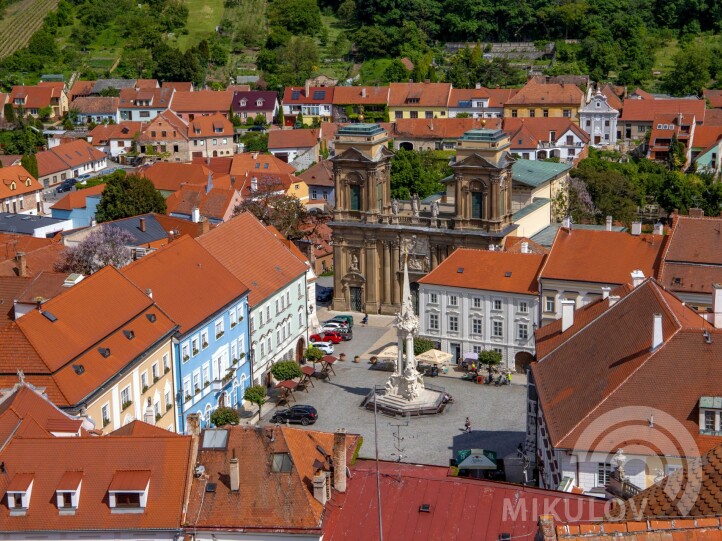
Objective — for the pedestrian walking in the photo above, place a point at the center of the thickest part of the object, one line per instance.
(467, 425)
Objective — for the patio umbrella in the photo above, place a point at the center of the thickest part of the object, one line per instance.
(388, 353)
(476, 459)
(471, 356)
(435, 357)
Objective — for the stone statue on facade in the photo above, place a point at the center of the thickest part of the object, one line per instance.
(354, 263)
(395, 207)
(434, 209)
(415, 205)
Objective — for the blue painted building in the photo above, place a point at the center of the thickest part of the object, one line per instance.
(78, 206)
(210, 351)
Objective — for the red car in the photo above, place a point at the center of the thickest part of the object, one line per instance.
(327, 337)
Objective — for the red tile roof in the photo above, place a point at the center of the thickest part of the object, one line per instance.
(38, 260)
(15, 180)
(67, 156)
(613, 98)
(440, 128)
(209, 126)
(136, 98)
(486, 270)
(513, 245)
(35, 97)
(645, 110)
(178, 87)
(215, 204)
(80, 88)
(50, 460)
(252, 253)
(497, 96)
(267, 501)
(705, 136)
(304, 138)
(320, 174)
(146, 83)
(170, 176)
(360, 95)
(624, 371)
(169, 122)
(459, 508)
(102, 134)
(692, 261)
(249, 163)
(202, 101)
(185, 266)
(714, 97)
(547, 94)
(317, 95)
(687, 529)
(95, 105)
(419, 94)
(529, 132)
(76, 199)
(129, 480)
(605, 257)
(11, 244)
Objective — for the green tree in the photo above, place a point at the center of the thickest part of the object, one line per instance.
(256, 394)
(414, 172)
(45, 113)
(690, 72)
(677, 156)
(422, 345)
(30, 163)
(396, 72)
(297, 60)
(224, 416)
(347, 13)
(284, 370)
(9, 113)
(126, 196)
(300, 17)
(313, 354)
(490, 359)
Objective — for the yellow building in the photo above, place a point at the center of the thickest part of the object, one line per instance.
(101, 348)
(419, 100)
(540, 100)
(298, 188)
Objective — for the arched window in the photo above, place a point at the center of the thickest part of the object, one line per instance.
(477, 205)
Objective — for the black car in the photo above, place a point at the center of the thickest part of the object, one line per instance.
(66, 186)
(306, 415)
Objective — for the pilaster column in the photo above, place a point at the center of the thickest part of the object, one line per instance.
(339, 300)
(387, 272)
(395, 293)
(371, 266)
(434, 256)
(458, 196)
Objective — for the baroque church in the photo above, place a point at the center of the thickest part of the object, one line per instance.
(369, 227)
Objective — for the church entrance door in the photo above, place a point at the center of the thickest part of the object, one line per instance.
(356, 299)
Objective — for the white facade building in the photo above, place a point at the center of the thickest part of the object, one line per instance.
(599, 120)
(478, 300)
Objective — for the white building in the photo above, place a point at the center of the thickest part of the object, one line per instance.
(599, 120)
(479, 300)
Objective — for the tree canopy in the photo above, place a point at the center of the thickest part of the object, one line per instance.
(128, 195)
(285, 370)
(224, 416)
(106, 245)
(420, 173)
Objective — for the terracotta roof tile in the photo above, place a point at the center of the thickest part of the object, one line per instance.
(95, 105)
(714, 97)
(11, 244)
(165, 121)
(486, 270)
(170, 176)
(35, 97)
(440, 128)
(252, 253)
(606, 257)
(612, 98)
(497, 96)
(547, 94)
(104, 133)
(419, 94)
(76, 199)
(209, 126)
(15, 180)
(645, 110)
(38, 260)
(216, 204)
(136, 98)
(202, 101)
(80, 88)
(66, 156)
(304, 138)
(529, 132)
(185, 266)
(513, 245)
(253, 162)
(706, 136)
(178, 87)
(146, 83)
(360, 95)
(320, 174)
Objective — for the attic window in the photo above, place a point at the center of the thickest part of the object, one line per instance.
(151, 317)
(19, 491)
(281, 463)
(211, 487)
(128, 491)
(28, 182)
(105, 352)
(67, 493)
(13, 186)
(129, 334)
(677, 281)
(460, 270)
(214, 439)
(295, 94)
(50, 317)
(425, 508)
(319, 94)
(507, 274)
(79, 368)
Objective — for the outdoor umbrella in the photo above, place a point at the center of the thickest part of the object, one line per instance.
(476, 459)
(434, 356)
(388, 353)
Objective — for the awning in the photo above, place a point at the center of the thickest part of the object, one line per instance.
(471, 356)
(476, 459)
(388, 353)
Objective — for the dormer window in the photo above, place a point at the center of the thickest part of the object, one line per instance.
(128, 491)
(28, 182)
(243, 102)
(710, 411)
(13, 186)
(259, 102)
(68, 492)
(18, 492)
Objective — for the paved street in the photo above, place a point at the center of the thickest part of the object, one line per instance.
(497, 413)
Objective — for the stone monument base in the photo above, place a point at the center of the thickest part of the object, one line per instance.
(429, 402)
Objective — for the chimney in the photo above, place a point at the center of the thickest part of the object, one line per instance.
(659, 228)
(142, 224)
(525, 247)
(567, 314)
(339, 459)
(308, 87)
(637, 278)
(636, 228)
(363, 92)
(22, 262)
(696, 213)
(605, 292)
(196, 215)
(149, 292)
(613, 300)
(319, 487)
(205, 225)
(235, 475)
(657, 336)
(609, 223)
(477, 86)
(254, 155)
(567, 222)
(149, 415)
(717, 305)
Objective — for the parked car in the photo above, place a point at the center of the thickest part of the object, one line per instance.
(344, 318)
(65, 186)
(332, 337)
(330, 324)
(81, 179)
(306, 415)
(326, 347)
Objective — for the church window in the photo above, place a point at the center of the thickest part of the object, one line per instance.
(355, 192)
(477, 202)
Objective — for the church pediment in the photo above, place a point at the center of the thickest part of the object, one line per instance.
(351, 154)
(476, 160)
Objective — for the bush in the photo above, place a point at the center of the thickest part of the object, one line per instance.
(285, 370)
(313, 354)
(224, 416)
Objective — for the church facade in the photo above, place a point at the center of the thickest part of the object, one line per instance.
(369, 227)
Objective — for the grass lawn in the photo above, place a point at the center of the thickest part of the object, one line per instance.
(664, 57)
(203, 17)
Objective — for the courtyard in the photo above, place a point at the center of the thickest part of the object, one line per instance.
(497, 413)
